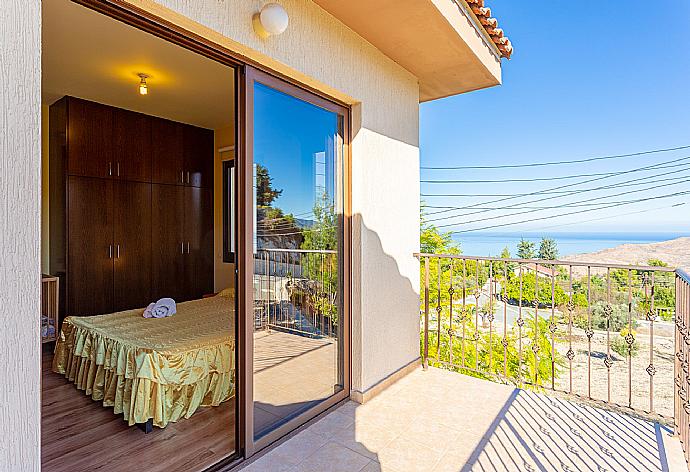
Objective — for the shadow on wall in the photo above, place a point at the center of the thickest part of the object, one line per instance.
(385, 302)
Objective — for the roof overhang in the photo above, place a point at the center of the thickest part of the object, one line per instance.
(439, 41)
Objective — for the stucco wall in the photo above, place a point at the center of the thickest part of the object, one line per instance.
(319, 50)
(20, 225)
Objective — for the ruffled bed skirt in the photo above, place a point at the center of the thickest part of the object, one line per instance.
(142, 383)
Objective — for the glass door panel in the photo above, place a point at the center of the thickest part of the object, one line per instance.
(298, 354)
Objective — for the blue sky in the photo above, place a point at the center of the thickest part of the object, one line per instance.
(587, 79)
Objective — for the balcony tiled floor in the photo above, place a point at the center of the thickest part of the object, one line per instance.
(443, 421)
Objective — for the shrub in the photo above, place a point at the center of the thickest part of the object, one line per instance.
(620, 346)
(617, 321)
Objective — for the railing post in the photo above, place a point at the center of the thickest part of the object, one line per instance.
(426, 313)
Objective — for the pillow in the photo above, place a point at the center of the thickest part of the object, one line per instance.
(227, 292)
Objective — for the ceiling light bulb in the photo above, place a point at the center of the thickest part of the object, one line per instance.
(143, 88)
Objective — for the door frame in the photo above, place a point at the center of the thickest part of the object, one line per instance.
(251, 76)
(247, 70)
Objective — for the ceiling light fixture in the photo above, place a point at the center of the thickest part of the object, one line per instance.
(143, 88)
(271, 20)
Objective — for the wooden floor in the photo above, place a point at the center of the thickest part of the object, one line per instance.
(291, 373)
(79, 434)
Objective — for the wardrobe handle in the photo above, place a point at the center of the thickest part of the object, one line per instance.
(110, 251)
(118, 251)
(187, 247)
(182, 179)
(182, 247)
(187, 176)
(118, 169)
(110, 168)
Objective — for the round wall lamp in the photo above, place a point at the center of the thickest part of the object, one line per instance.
(272, 20)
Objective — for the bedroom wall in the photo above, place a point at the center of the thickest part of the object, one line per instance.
(323, 53)
(224, 272)
(20, 226)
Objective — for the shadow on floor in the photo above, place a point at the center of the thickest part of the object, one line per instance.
(537, 432)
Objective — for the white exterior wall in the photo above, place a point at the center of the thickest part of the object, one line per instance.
(20, 231)
(319, 50)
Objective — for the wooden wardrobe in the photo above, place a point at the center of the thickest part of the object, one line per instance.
(131, 207)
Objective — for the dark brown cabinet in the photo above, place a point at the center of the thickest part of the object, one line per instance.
(90, 286)
(198, 228)
(167, 152)
(89, 137)
(132, 245)
(167, 237)
(133, 225)
(132, 146)
(198, 142)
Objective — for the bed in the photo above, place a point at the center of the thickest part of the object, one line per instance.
(153, 371)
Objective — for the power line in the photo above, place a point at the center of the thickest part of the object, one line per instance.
(488, 218)
(561, 215)
(538, 192)
(500, 181)
(609, 217)
(626, 183)
(660, 165)
(553, 207)
(553, 163)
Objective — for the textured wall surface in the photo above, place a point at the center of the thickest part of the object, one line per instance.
(322, 52)
(20, 218)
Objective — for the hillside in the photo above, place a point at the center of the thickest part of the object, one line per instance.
(675, 253)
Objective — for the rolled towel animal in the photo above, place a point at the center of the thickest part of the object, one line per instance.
(148, 312)
(164, 307)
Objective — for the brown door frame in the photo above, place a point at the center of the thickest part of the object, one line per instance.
(247, 69)
(252, 76)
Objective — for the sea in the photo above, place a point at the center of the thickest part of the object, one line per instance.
(492, 244)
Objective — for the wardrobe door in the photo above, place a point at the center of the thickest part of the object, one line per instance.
(132, 239)
(198, 224)
(167, 236)
(198, 156)
(89, 139)
(132, 146)
(90, 249)
(167, 153)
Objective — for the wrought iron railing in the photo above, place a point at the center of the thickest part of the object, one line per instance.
(682, 358)
(586, 329)
(296, 291)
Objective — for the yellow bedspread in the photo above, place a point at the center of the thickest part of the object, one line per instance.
(162, 369)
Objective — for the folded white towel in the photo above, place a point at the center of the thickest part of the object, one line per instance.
(147, 311)
(164, 307)
(160, 309)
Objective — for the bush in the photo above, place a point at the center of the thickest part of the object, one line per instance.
(620, 346)
(617, 322)
(528, 282)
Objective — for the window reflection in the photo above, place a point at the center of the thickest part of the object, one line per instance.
(298, 235)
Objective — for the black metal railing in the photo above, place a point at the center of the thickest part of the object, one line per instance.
(587, 329)
(682, 358)
(296, 291)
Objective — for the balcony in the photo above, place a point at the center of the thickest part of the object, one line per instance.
(524, 370)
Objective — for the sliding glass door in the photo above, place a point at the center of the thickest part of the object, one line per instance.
(299, 321)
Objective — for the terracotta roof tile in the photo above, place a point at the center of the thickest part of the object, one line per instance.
(490, 24)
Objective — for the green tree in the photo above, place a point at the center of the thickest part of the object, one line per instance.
(432, 241)
(265, 192)
(548, 249)
(322, 268)
(525, 249)
(528, 288)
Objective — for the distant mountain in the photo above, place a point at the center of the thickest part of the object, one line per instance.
(675, 253)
